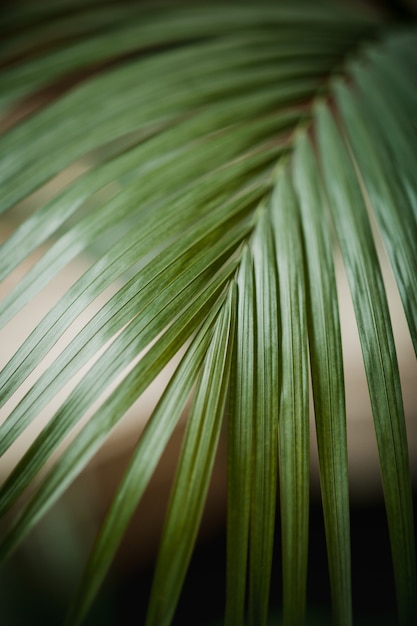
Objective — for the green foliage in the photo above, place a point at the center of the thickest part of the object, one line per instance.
(238, 145)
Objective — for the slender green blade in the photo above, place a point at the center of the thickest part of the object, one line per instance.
(293, 433)
(152, 443)
(240, 442)
(386, 193)
(265, 451)
(194, 470)
(400, 141)
(327, 376)
(372, 316)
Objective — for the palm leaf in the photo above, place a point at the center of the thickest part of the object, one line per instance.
(293, 410)
(224, 152)
(265, 436)
(327, 375)
(240, 433)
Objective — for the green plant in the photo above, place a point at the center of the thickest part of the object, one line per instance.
(243, 143)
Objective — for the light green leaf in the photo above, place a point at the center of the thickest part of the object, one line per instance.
(194, 470)
(141, 467)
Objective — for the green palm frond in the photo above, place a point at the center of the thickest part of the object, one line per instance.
(225, 151)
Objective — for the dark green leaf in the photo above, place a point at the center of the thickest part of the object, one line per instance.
(372, 315)
(265, 428)
(240, 442)
(194, 470)
(386, 193)
(327, 376)
(144, 461)
(293, 433)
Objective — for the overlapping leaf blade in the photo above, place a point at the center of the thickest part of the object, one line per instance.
(194, 470)
(388, 194)
(325, 348)
(240, 444)
(372, 315)
(155, 100)
(265, 428)
(176, 25)
(143, 326)
(293, 431)
(144, 461)
(138, 228)
(112, 264)
(173, 154)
